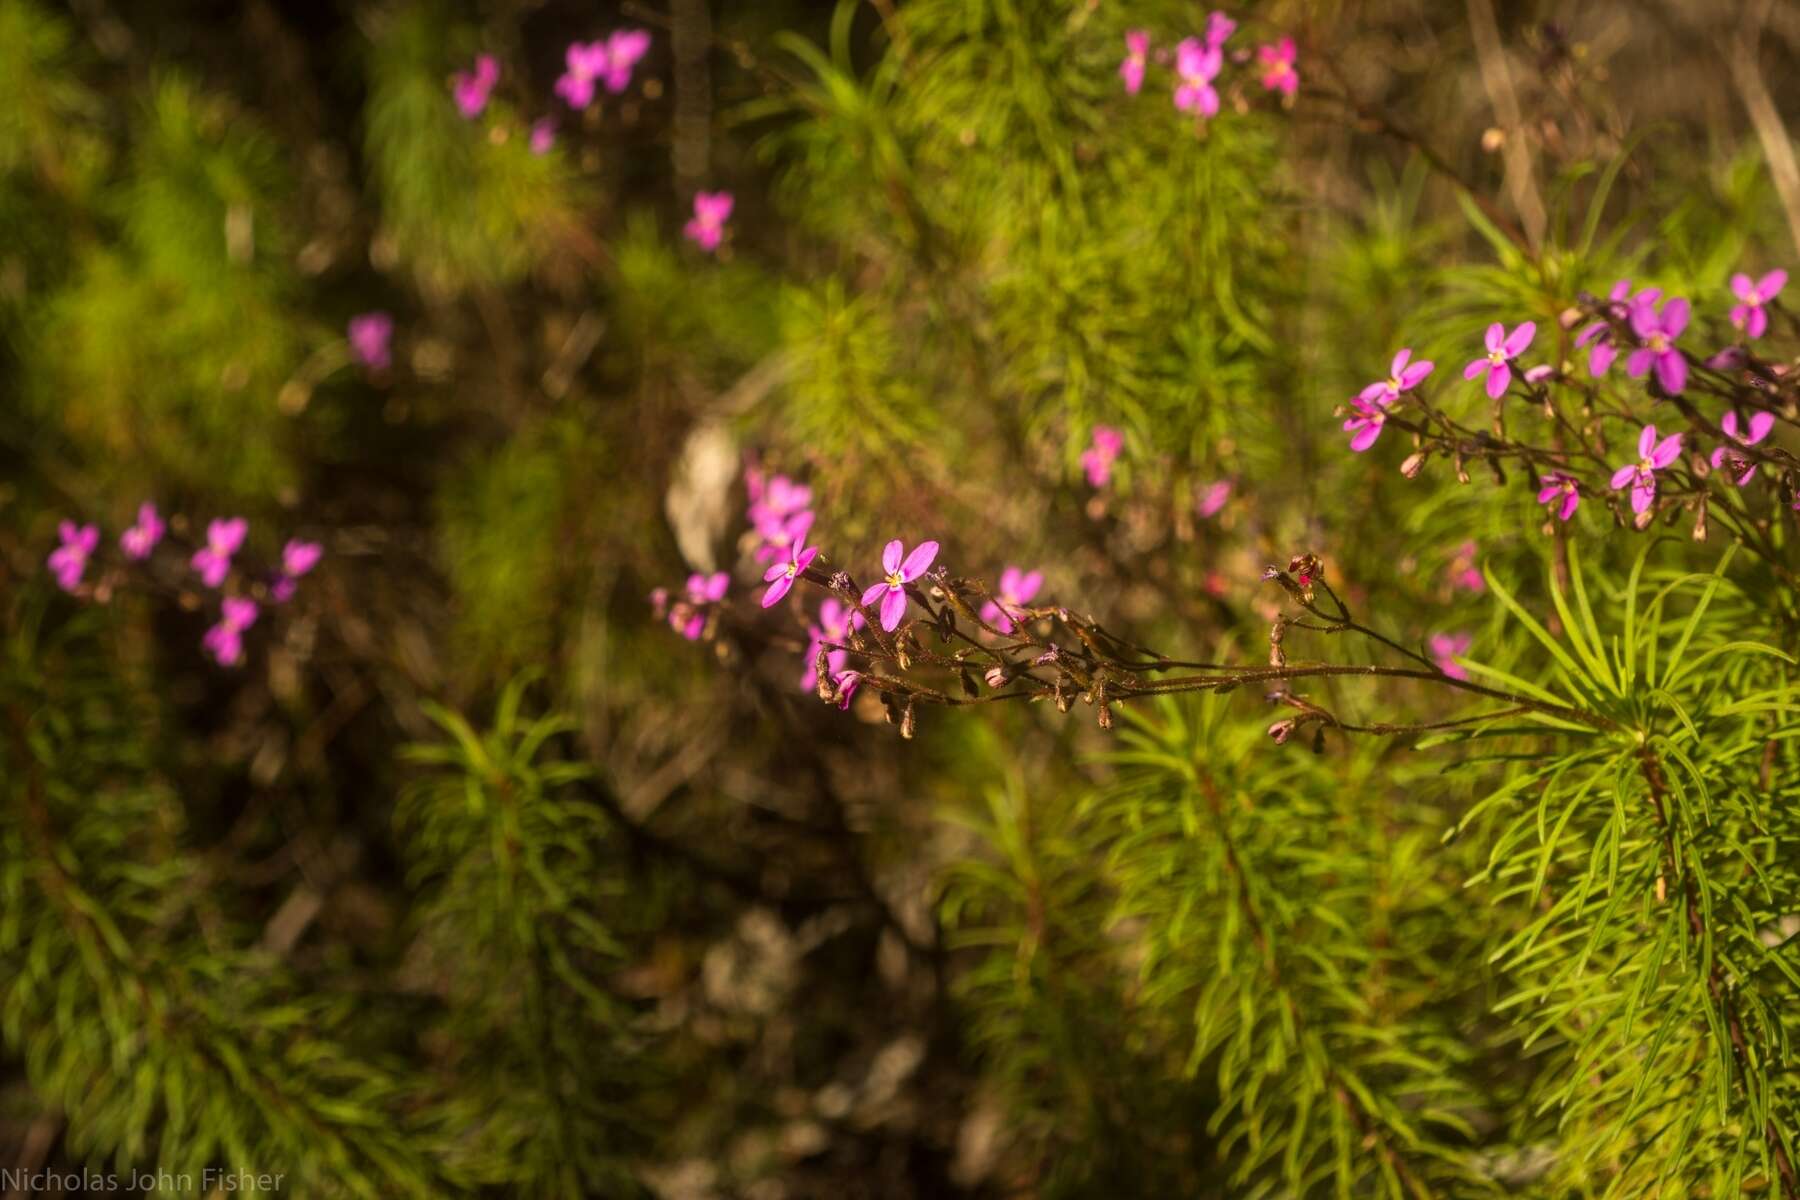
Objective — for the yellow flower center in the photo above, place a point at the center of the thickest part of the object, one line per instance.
(1658, 342)
(894, 580)
(1496, 356)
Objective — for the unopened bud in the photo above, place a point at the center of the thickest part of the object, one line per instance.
(827, 689)
(906, 720)
(1700, 522)
(1414, 464)
(1282, 730)
(996, 677)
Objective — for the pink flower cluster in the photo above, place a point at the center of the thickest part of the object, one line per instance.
(1198, 61)
(471, 89)
(687, 614)
(608, 62)
(706, 229)
(1097, 460)
(212, 561)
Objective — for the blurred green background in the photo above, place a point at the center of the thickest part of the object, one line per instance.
(475, 879)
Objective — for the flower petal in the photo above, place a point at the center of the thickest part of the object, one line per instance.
(891, 556)
(873, 592)
(1760, 425)
(1672, 371)
(1520, 339)
(1496, 336)
(1623, 476)
(1415, 375)
(893, 607)
(1667, 451)
(918, 561)
(1499, 379)
(778, 589)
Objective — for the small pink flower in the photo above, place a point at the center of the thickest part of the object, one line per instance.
(1016, 590)
(213, 560)
(781, 534)
(835, 622)
(369, 334)
(1561, 492)
(138, 541)
(1403, 376)
(1137, 52)
(1502, 348)
(623, 49)
(1212, 498)
(847, 684)
(297, 558)
(225, 641)
(543, 135)
(1742, 469)
(707, 228)
(1640, 476)
(1368, 417)
(900, 569)
(1446, 648)
(1278, 74)
(1219, 27)
(781, 576)
(1658, 332)
(1197, 65)
(584, 61)
(688, 618)
(1600, 333)
(1097, 459)
(471, 88)
(1748, 314)
(69, 560)
(1463, 572)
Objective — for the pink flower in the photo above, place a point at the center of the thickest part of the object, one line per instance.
(1016, 590)
(1197, 65)
(1213, 497)
(1599, 333)
(471, 88)
(1658, 332)
(1137, 52)
(543, 135)
(369, 334)
(1463, 572)
(138, 541)
(891, 591)
(69, 560)
(1369, 416)
(1218, 28)
(213, 560)
(1403, 376)
(1097, 459)
(1278, 74)
(688, 618)
(835, 622)
(1742, 469)
(621, 52)
(297, 558)
(584, 62)
(781, 576)
(847, 684)
(1640, 476)
(225, 641)
(1561, 492)
(707, 228)
(1502, 348)
(1748, 315)
(1446, 648)
(781, 534)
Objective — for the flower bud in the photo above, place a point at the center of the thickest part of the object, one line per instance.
(906, 720)
(1282, 730)
(1413, 464)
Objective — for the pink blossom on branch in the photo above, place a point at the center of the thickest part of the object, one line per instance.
(471, 88)
(1446, 648)
(1658, 331)
(1196, 66)
(1017, 588)
(138, 541)
(225, 641)
(1137, 53)
(369, 334)
(706, 229)
(836, 620)
(688, 618)
(1219, 28)
(213, 560)
(1098, 458)
(1748, 314)
(1213, 497)
(1742, 469)
(1640, 477)
(1502, 348)
(781, 576)
(297, 558)
(1366, 420)
(900, 569)
(1403, 376)
(1278, 74)
(69, 560)
(1561, 491)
